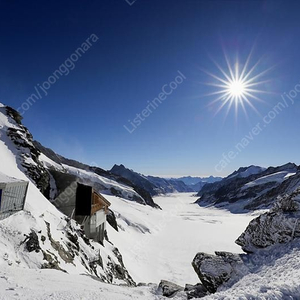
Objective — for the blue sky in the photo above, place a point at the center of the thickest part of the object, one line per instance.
(140, 49)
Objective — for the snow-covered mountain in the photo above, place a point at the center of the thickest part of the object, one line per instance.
(43, 166)
(270, 269)
(40, 236)
(251, 187)
(59, 168)
(45, 255)
(158, 186)
(196, 183)
(153, 185)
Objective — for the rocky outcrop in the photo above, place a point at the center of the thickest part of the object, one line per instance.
(49, 240)
(169, 289)
(28, 154)
(279, 225)
(215, 270)
(32, 242)
(111, 219)
(195, 291)
(118, 270)
(268, 232)
(286, 187)
(146, 196)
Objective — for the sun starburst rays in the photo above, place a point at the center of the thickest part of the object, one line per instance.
(238, 86)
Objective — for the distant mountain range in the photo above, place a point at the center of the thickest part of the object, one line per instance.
(156, 185)
(42, 237)
(189, 180)
(52, 173)
(248, 188)
(196, 183)
(251, 188)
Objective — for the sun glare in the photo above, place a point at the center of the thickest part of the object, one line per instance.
(238, 85)
(236, 89)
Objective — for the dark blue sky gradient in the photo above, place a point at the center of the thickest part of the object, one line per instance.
(140, 48)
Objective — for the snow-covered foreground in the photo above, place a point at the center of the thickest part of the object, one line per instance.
(161, 244)
(33, 284)
(276, 277)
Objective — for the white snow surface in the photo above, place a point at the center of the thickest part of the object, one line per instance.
(37, 211)
(249, 171)
(155, 244)
(276, 177)
(5, 179)
(26, 284)
(90, 177)
(276, 277)
(161, 244)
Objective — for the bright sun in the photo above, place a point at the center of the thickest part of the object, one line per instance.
(236, 89)
(238, 85)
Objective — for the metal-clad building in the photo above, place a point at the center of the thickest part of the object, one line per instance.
(12, 195)
(83, 204)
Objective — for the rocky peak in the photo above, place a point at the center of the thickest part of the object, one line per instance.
(27, 154)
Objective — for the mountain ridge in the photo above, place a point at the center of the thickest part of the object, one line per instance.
(243, 190)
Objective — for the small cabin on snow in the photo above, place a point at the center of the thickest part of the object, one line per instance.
(83, 204)
(12, 195)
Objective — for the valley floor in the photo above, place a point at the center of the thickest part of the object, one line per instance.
(161, 244)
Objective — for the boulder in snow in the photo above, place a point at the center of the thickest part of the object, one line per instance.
(215, 270)
(169, 289)
(195, 291)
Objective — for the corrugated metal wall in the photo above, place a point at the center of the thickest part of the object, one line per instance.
(12, 198)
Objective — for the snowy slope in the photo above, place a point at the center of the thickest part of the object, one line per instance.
(278, 177)
(25, 284)
(249, 188)
(61, 244)
(245, 172)
(160, 244)
(155, 244)
(276, 276)
(126, 191)
(90, 177)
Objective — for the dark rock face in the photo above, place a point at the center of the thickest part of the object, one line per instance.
(62, 180)
(195, 291)
(279, 225)
(146, 196)
(169, 289)
(137, 179)
(286, 187)
(150, 184)
(269, 229)
(111, 219)
(36, 171)
(119, 270)
(32, 242)
(215, 270)
(14, 115)
(28, 154)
